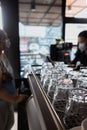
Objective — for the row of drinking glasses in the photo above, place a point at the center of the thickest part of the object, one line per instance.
(60, 91)
(54, 81)
(50, 73)
(50, 76)
(76, 108)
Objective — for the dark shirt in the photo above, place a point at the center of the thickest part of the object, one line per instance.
(80, 56)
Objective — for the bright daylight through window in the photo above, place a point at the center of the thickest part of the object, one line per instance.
(35, 42)
(75, 9)
(39, 26)
(0, 18)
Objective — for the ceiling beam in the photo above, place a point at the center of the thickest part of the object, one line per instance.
(36, 18)
(75, 20)
(51, 5)
(39, 4)
(45, 13)
(23, 11)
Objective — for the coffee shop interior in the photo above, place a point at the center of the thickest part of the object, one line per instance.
(44, 41)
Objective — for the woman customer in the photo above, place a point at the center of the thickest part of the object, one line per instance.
(7, 87)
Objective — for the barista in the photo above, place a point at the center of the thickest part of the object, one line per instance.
(81, 54)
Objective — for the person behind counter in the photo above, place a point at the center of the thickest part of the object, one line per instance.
(7, 88)
(81, 54)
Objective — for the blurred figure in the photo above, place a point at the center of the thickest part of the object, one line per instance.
(7, 87)
(81, 54)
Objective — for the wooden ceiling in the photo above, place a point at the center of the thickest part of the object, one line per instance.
(73, 7)
(47, 12)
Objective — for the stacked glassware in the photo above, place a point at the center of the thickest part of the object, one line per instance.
(76, 108)
(66, 89)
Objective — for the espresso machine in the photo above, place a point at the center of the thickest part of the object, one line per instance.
(61, 52)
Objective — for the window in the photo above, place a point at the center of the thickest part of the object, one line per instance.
(35, 42)
(76, 8)
(38, 29)
(72, 31)
(1, 18)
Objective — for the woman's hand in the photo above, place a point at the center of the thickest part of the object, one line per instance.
(20, 98)
(9, 98)
(71, 65)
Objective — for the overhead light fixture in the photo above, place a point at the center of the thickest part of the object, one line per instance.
(33, 8)
(69, 8)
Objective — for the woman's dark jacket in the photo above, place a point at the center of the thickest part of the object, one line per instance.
(80, 56)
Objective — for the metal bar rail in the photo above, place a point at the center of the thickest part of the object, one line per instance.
(49, 120)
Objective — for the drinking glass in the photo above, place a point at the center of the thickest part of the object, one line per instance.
(61, 95)
(76, 108)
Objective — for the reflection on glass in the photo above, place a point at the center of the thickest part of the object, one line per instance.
(35, 44)
(76, 109)
(66, 90)
(1, 25)
(61, 95)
